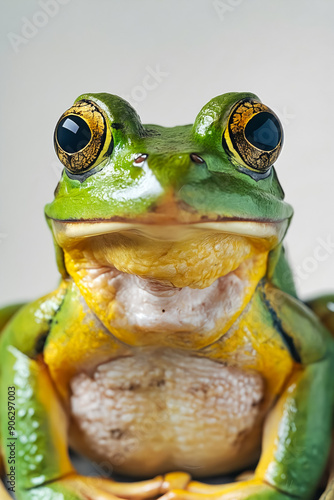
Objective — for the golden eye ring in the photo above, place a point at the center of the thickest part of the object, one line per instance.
(82, 137)
(253, 135)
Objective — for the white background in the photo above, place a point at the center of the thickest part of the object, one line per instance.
(282, 50)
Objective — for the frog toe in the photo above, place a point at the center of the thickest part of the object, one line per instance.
(76, 487)
(96, 488)
(246, 490)
(175, 480)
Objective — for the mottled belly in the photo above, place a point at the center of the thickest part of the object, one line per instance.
(167, 410)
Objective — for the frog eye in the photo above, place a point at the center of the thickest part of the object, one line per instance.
(82, 137)
(254, 135)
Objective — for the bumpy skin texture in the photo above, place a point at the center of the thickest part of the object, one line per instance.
(176, 318)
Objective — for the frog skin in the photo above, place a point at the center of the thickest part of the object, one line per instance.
(175, 346)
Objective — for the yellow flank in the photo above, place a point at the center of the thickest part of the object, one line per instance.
(57, 419)
(79, 343)
(273, 421)
(254, 344)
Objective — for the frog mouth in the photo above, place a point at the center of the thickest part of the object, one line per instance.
(179, 255)
(272, 231)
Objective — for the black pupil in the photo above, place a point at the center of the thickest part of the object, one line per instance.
(263, 131)
(73, 134)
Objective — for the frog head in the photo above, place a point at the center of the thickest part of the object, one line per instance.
(181, 206)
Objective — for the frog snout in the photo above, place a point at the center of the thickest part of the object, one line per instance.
(171, 170)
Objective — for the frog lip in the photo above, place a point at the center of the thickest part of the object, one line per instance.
(262, 229)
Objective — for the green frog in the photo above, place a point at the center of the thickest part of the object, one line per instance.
(175, 347)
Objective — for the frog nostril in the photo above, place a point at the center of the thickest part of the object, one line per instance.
(140, 160)
(195, 158)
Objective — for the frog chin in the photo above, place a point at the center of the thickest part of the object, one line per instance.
(143, 311)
